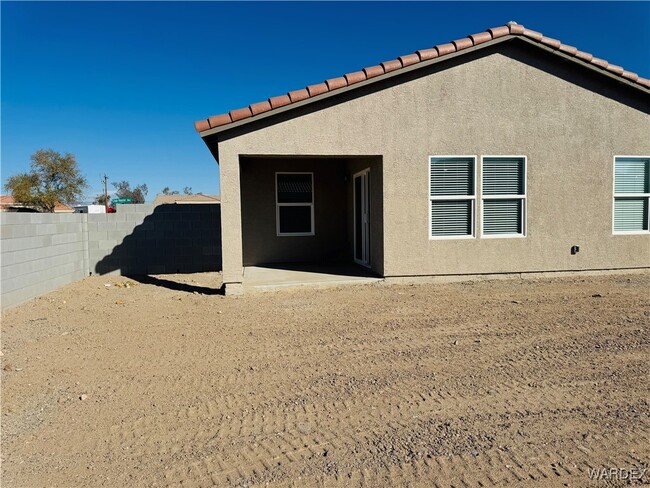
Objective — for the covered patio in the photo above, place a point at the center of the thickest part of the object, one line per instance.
(311, 220)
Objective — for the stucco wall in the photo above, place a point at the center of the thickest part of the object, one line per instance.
(568, 121)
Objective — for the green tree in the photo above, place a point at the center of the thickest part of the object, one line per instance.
(188, 190)
(53, 178)
(136, 194)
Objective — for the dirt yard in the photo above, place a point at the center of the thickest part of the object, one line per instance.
(500, 383)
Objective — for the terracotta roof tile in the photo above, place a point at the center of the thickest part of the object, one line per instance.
(515, 28)
(536, 36)
(201, 125)
(630, 75)
(373, 71)
(391, 65)
(643, 81)
(260, 107)
(584, 56)
(599, 62)
(554, 43)
(501, 31)
(335, 83)
(463, 43)
(568, 49)
(409, 59)
(317, 89)
(428, 53)
(280, 101)
(298, 95)
(446, 48)
(240, 113)
(615, 69)
(355, 77)
(510, 29)
(480, 38)
(217, 120)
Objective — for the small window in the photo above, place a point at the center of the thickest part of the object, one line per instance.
(503, 196)
(452, 196)
(631, 194)
(294, 204)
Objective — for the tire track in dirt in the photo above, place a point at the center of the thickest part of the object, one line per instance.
(288, 446)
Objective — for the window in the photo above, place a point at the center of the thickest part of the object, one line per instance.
(294, 204)
(631, 194)
(503, 196)
(452, 196)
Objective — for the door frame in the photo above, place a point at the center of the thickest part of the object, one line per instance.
(365, 226)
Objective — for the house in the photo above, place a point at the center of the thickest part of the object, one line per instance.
(502, 152)
(198, 198)
(9, 204)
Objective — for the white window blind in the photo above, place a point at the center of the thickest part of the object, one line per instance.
(452, 196)
(631, 194)
(503, 196)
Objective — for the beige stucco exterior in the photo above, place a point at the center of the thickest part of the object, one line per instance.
(508, 100)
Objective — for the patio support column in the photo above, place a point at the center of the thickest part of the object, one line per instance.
(231, 232)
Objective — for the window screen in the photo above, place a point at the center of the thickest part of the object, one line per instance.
(295, 204)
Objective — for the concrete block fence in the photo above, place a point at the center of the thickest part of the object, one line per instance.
(42, 252)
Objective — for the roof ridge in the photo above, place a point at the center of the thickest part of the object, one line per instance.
(512, 28)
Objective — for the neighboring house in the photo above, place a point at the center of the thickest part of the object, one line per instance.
(502, 152)
(8, 204)
(198, 198)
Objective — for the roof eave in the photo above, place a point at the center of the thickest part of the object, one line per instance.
(421, 65)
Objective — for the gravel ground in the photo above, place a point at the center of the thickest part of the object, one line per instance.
(167, 383)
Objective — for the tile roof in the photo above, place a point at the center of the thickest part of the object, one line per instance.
(510, 29)
(196, 198)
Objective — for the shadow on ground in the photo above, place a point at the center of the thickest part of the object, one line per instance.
(176, 285)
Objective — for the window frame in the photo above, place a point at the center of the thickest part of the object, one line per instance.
(471, 198)
(523, 197)
(279, 204)
(628, 195)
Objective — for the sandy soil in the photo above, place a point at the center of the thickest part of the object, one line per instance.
(502, 383)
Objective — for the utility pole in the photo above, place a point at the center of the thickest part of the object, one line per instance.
(106, 193)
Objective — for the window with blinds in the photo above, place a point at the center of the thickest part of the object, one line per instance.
(503, 196)
(452, 196)
(631, 194)
(294, 204)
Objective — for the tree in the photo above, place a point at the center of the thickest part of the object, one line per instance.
(188, 190)
(167, 191)
(53, 178)
(102, 200)
(136, 194)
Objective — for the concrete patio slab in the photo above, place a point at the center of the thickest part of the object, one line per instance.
(271, 277)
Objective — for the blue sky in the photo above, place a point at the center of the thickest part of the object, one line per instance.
(119, 84)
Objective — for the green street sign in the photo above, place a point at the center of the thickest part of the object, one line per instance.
(121, 200)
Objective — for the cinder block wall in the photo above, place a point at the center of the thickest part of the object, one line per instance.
(42, 252)
(39, 253)
(142, 239)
